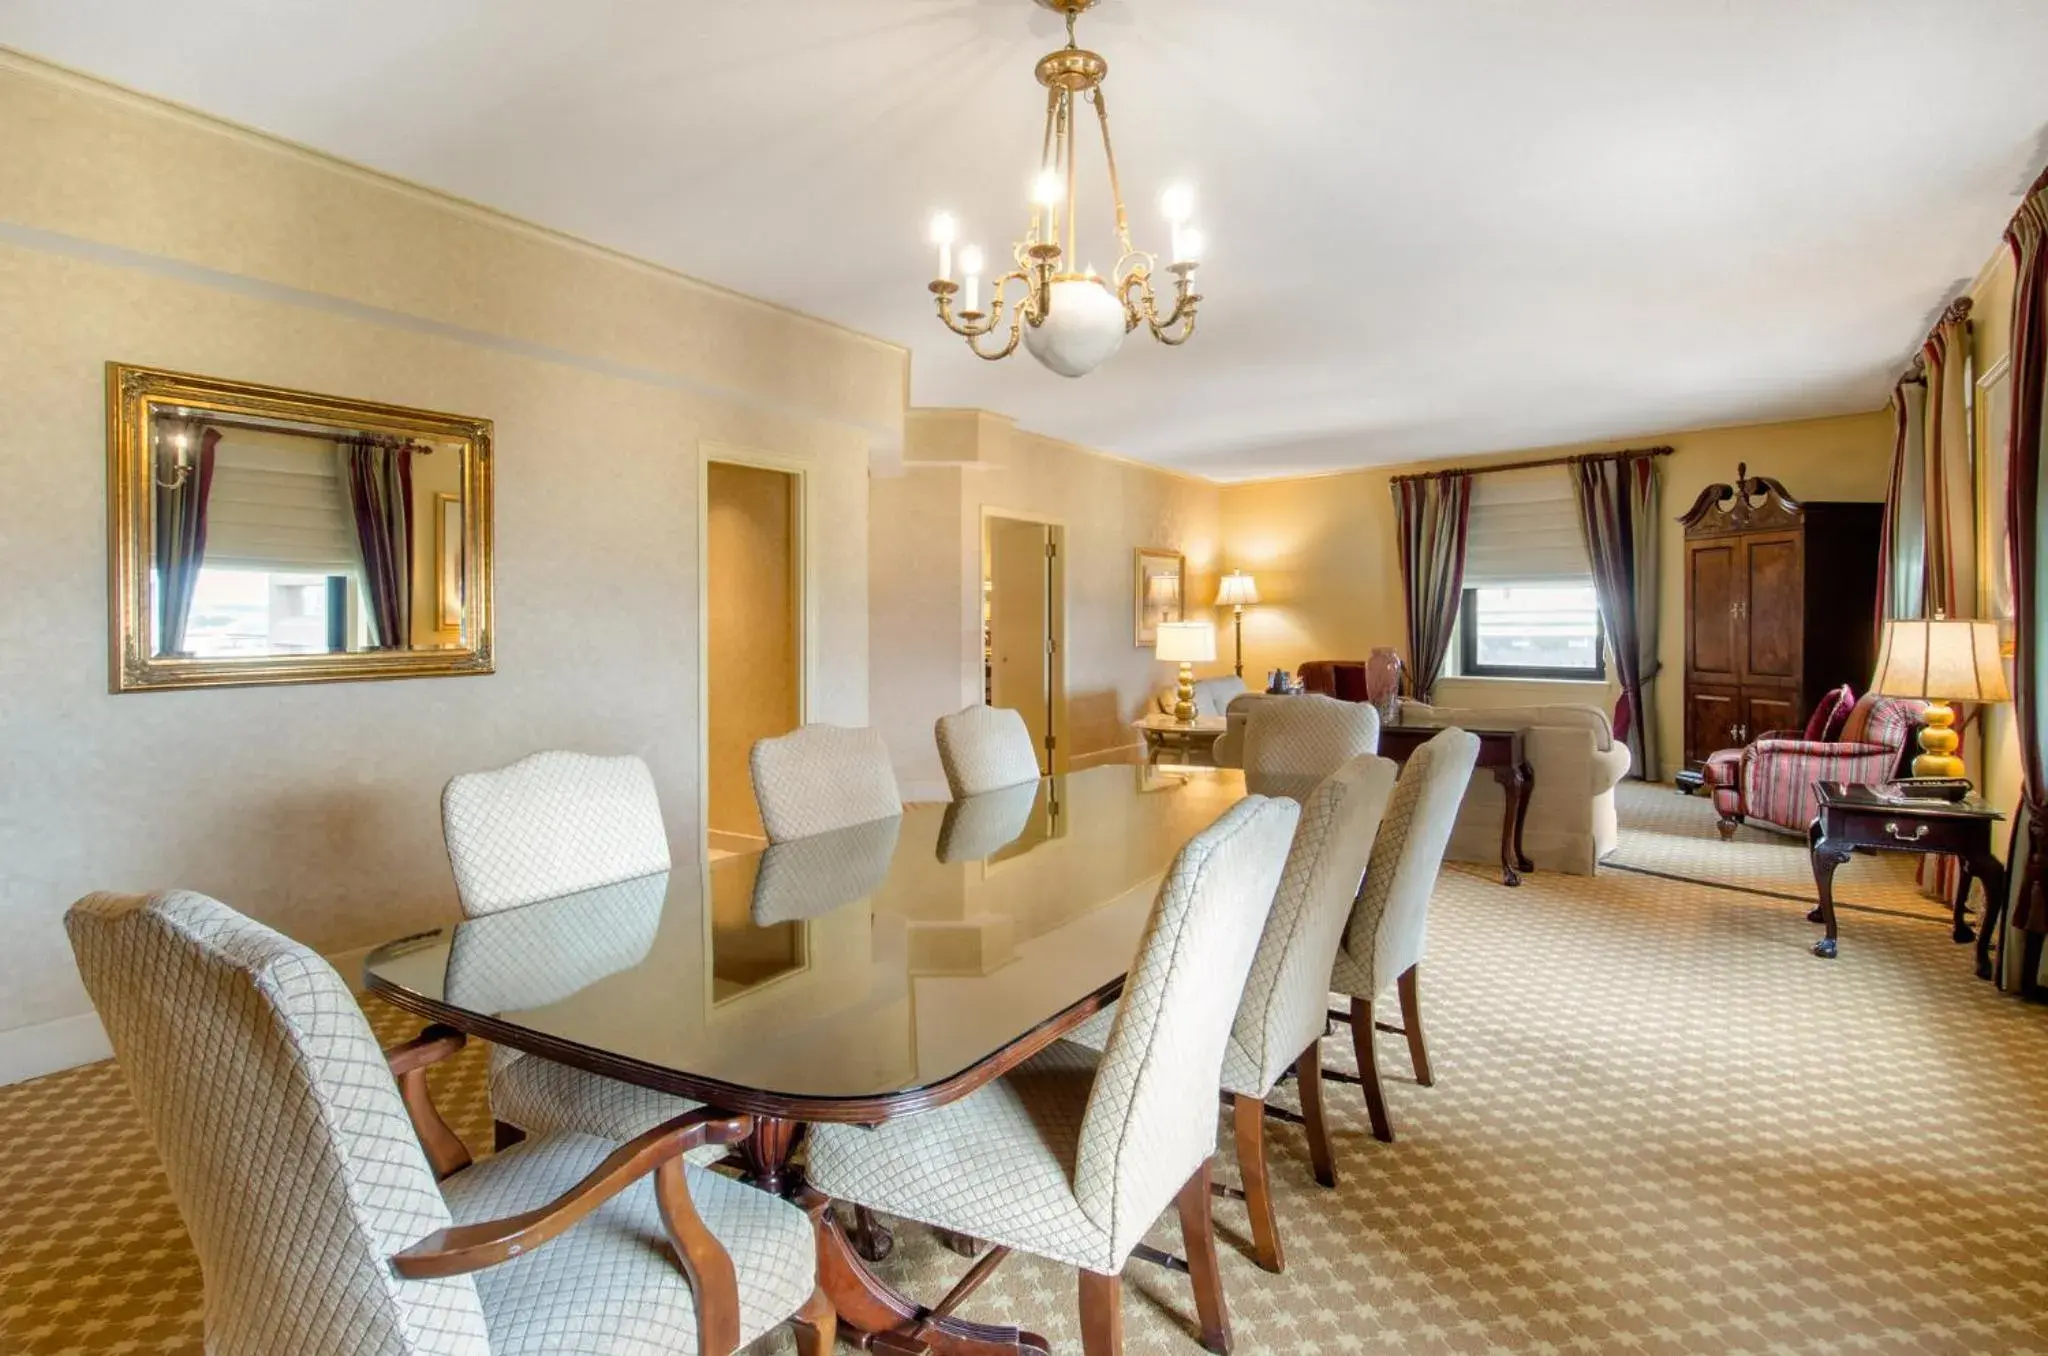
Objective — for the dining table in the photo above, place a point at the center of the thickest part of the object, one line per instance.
(852, 977)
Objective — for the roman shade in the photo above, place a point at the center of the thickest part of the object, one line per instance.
(278, 508)
(1525, 528)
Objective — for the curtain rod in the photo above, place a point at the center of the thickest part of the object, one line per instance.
(1543, 461)
(425, 449)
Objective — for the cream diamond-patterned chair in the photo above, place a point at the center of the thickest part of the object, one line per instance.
(1073, 1155)
(1388, 934)
(311, 1195)
(1292, 743)
(549, 825)
(1281, 1018)
(985, 748)
(820, 778)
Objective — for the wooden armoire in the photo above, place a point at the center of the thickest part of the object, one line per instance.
(1780, 606)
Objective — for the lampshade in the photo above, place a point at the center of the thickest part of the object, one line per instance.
(1236, 589)
(1189, 642)
(1942, 660)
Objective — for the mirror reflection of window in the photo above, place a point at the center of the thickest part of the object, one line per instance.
(289, 541)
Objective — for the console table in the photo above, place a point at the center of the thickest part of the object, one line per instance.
(1164, 734)
(1500, 750)
(1855, 816)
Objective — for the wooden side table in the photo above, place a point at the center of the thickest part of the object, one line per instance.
(1853, 815)
(1500, 750)
(1164, 734)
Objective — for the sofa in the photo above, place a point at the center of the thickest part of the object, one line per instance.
(1212, 695)
(1571, 822)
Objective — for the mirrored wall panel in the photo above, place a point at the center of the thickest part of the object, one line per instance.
(262, 535)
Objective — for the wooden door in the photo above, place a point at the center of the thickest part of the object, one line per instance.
(1768, 710)
(1772, 605)
(1711, 716)
(1712, 637)
(1020, 625)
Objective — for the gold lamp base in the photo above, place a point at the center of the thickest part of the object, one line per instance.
(1938, 743)
(1184, 708)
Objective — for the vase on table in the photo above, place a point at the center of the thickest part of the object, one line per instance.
(1383, 681)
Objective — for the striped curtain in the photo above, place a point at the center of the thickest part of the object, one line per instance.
(378, 475)
(2027, 520)
(1618, 517)
(183, 481)
(1433, 512)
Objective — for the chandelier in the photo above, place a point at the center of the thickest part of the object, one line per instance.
(1068, 317)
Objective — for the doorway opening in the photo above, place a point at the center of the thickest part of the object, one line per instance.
(753, 609)
(1024, 618)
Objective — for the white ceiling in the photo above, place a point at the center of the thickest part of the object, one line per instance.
(1436, 228)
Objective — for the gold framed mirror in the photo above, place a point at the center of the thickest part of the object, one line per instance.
(262, 535)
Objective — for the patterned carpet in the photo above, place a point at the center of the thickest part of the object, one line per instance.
(1659, 1125)
(1667, 834)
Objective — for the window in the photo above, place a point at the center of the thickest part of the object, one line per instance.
(238, 611)
(1548, 629)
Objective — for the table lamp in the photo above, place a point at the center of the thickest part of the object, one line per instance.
(1237, 591)
(1941, 661)
(1191, 643)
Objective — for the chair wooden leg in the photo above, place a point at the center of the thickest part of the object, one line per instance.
(1308, 1078)
(816, 1326)
(1411, 1022)
(1248, 1114)
(1102, 1314)
(504, 1136)
(1198, 1238)
(870, 1239)
(1369, 1070)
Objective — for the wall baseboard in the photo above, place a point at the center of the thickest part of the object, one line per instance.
(51, 1047)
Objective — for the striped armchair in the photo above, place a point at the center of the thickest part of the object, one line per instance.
(1771, 781)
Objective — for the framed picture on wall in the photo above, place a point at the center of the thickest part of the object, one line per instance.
(1993, 409)
(1160, 592)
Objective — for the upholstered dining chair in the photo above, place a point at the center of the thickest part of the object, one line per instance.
(1071, 1155)
(822, 777)
(1283, 1013)
(1292, 743)
(1388, 933)
(304, 1162)
(554, 824)
(985, 748)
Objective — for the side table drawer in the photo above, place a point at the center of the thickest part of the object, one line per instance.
(1909, 833)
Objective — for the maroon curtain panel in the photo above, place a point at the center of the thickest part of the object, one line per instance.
(2026, 521)
(179, 544)
(380, 501)
(1433, 513)
(1618, 516)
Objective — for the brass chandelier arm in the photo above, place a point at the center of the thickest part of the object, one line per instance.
(1178, 326)
(1116, 188)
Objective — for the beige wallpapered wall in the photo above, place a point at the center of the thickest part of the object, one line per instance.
(925, 559)
(1324, 548)
(135, 232)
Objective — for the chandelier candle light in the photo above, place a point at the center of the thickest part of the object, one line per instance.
(1069, 318)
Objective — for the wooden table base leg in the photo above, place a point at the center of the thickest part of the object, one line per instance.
(869, 1308)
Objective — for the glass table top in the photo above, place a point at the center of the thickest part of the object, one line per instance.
(866, 963)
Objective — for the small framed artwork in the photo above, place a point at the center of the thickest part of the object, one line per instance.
(1160, 592)
(448, 560)
(1993, 409)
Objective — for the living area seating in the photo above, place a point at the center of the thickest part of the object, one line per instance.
(1769, 782)
(1212, 695)
(1343, 679)
(1571, 822)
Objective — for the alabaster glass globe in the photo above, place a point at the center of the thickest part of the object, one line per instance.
(1085, 327)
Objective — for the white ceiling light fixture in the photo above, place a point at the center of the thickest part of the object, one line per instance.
(1071, 319)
